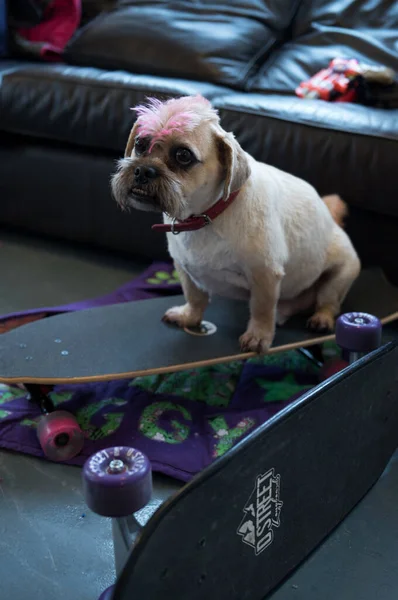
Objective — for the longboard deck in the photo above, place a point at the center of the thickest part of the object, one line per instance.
(129, 340)
(244, 523)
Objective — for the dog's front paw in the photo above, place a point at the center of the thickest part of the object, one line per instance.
(182, 316)
(256, 341)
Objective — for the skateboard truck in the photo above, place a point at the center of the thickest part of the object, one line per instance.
(38, 395)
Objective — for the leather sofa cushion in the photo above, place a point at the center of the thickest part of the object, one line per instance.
(7, 65)
(93, 8)
(81, 106)
(339, 148)
(216, 41)
(325, 29)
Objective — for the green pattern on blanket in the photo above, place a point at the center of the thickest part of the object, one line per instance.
(215, 385)
(162, 277)
(278, 391)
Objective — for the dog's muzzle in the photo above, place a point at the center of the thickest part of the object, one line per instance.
(143, 178)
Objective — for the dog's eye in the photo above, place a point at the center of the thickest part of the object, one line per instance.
(141, 145)
(184, 156)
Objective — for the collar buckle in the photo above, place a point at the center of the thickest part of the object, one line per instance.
(206, 217)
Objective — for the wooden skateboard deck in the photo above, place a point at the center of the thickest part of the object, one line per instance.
(129, 340)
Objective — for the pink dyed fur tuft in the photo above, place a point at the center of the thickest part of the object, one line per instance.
(179, 115)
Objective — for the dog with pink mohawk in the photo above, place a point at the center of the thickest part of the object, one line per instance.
(235, 227)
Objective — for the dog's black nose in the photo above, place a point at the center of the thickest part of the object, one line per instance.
(144, 174)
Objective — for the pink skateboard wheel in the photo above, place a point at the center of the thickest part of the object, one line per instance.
(60, 436)
(117, 481)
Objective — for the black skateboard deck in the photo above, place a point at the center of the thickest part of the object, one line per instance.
(240, 527)
(129, 340)
(358, 560)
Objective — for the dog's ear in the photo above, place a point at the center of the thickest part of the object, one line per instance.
(131, 141)
(235, 163)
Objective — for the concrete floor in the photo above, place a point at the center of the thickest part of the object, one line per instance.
(50, 551)
(37, 273)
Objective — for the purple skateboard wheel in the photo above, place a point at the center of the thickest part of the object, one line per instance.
(60, 436)
(358, 332)
(107, 595)
(117, 481)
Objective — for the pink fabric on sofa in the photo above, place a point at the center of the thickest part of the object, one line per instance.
(49, 38)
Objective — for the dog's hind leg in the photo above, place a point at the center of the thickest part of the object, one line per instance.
(342, 268)
(302, 303)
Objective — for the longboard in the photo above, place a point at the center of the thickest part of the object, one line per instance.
(244, 523)
(129, 340)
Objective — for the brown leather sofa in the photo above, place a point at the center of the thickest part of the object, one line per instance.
(63, 126)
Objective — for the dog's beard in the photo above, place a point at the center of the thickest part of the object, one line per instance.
(164, 194)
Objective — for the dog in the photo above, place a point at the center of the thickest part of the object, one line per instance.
(235, 227)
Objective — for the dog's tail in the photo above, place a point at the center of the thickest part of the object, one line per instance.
(337, 208)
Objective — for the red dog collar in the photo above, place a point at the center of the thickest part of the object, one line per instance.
(197, 221)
